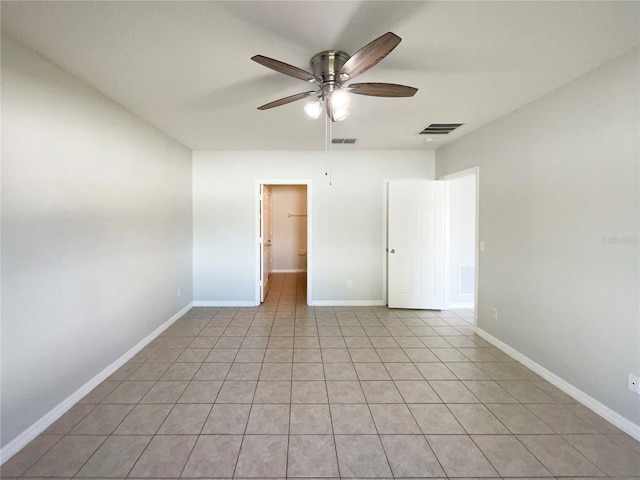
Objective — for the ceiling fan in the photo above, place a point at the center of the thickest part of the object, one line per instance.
(332, 70)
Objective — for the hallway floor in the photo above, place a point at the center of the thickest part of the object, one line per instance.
(286, 390)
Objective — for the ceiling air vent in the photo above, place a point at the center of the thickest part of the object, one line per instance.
(346, 141)
(440, 128)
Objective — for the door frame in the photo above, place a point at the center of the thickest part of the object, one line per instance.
(451, 176)
(258, 267)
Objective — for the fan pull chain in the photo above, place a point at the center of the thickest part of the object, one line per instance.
(326, 144)
(330, 144)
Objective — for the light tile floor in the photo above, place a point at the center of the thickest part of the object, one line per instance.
(285, 390)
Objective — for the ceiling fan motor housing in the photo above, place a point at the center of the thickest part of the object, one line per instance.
(326, 65)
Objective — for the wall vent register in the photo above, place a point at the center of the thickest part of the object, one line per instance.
(344, 141)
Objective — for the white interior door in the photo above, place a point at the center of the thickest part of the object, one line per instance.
(265, 240)
(416, 244)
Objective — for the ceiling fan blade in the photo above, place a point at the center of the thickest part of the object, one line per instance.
(382, 89)
(370, 55)
(285, 68)
(285, 100)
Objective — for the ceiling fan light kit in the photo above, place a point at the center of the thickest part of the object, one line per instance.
(332, 69)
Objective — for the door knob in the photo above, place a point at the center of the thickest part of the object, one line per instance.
(393, 251)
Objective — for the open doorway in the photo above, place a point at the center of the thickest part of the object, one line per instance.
(283, 233)
(461, 241)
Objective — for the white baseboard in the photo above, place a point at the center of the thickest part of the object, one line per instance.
(226, 303)
(18, 443)
(347, 303)
(289, 270)
(588, 401)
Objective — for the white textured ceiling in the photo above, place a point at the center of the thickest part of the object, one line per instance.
(185, 66)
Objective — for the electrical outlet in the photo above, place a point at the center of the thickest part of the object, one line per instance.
(349, 284)
(179, 292)
(481, 246)
(494, 313)
(634, 383)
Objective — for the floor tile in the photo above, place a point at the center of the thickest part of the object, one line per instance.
(165, 392)
(70, 419)
(476, 418)
(66, 457)
(223, 355)
(237, 391)
(525, 391)
(381, 392)
(460, 457)
(227, 418)
(308, 371)
(278, 355)
(273, 392)
(282, 389)
(212, 371)
(607, 455)
(435, 419)
(403, 371)
(186, 419)
(310, 419)
(369, 371)
(489, 391)
(466, 371)
(453, 392)
(29, 455)
(334, 355)
(201, 391)
(361, 456)
(435, 371)
(181, 371)
(213, 456)
(345, 392)
(509, 457)
(268, 418)
(339, 371)
(144, 419)
(561, 420)
(262, 456)
(363, 355)
(417, 392)
(518, 419)
(312, 455)
(410, 456)
(244, 371)
(103, 420)
(306, 355)
(115, 457)
(559, 457)
(150, 371)
(393, 418)
(129, 392)
(276, 371)
(197, 355)
(165, 456)
(352, 419)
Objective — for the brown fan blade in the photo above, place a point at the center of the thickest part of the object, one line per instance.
(369, 55)
(382, 89)
(285, 68)
(285, 100)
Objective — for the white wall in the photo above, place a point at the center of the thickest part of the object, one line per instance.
(96, 234)
(289, 233)
(461, 236)
(559, 214)
(347, 231)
